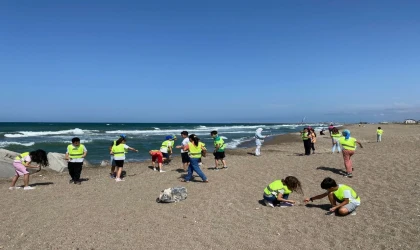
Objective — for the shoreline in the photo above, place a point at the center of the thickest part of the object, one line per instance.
(230, 204)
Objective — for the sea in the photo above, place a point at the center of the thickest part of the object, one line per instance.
(97, 137)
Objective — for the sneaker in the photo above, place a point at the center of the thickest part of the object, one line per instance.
(14, 188)
(225, 167)
(348, 175)
(162, 171)
(112, 176)
(200, 164)
(286, 204)
(268, 204)
(119, 179)
(353, 213)
(154, 169)
(28, 188)
(78, 182)
(71, 181)
(217, 169)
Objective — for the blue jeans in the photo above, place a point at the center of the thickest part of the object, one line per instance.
(337, 145)
(273, 198)
(113, 161)
(194, 167)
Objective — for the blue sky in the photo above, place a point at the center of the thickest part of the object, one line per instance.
(209, 61)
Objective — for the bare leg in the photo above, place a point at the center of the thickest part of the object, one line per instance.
(343, 211)
(186, 166)
(224, 163)
(153, 164)
(26, 179)
(160, 166)
(119, 171)
(216, 163)
(14, 180)
(112, 169)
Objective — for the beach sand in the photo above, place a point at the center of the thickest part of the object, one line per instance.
(225, 213)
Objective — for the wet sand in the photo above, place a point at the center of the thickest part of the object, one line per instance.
(225, 213)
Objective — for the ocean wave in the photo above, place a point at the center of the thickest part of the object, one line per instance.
(235, 142)
(81, 141)
(4, 144)
(156, 128)
(75, 131)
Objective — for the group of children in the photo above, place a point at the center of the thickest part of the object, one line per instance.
(343, 199)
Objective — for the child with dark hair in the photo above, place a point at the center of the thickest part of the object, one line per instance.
(345, 196)
(379, 133)
(184, 154)
(119, 151)
(23, 161)
(279, 191)
(219, 150)
(195, 148)
(75, 155)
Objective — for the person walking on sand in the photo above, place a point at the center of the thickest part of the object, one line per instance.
(335, 137)
(157, 156)
(195, 148)
(278, 192)
(22, 162)
(379, 133)
(349, 147)
(219, 150)
(113, 173)
(344, 195)
(185, 158)
(312, 136)
(119, 151)
(306, 141)
(75, 155)
(259, 140)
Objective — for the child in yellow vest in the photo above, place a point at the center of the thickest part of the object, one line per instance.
(75, 155)
(379, 133)
(119, 151)
(279, 190)
(344, 200)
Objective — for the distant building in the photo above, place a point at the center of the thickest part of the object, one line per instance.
(410, 121)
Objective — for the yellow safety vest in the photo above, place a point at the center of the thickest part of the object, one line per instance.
(21, 157)
(195, 151)
(339, 193)
(379, 131)
(75, 152)
(118, 150)
(305, 136)
(275, 187)
(166, 144)
(335, 136)
(349, 144)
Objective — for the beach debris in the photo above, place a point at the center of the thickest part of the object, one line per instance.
(171, 195)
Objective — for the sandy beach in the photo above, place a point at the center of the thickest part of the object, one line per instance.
(226, 213)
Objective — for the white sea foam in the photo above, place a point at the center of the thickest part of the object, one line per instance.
(224, 137)
(75, 131)
(157, 128)
(235, 142)
(4, 144)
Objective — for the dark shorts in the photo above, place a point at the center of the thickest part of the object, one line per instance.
(219, 155)
(119, 163)
(185, 157)
(165, 155)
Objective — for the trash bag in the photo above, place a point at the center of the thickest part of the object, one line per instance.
(174, 194)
